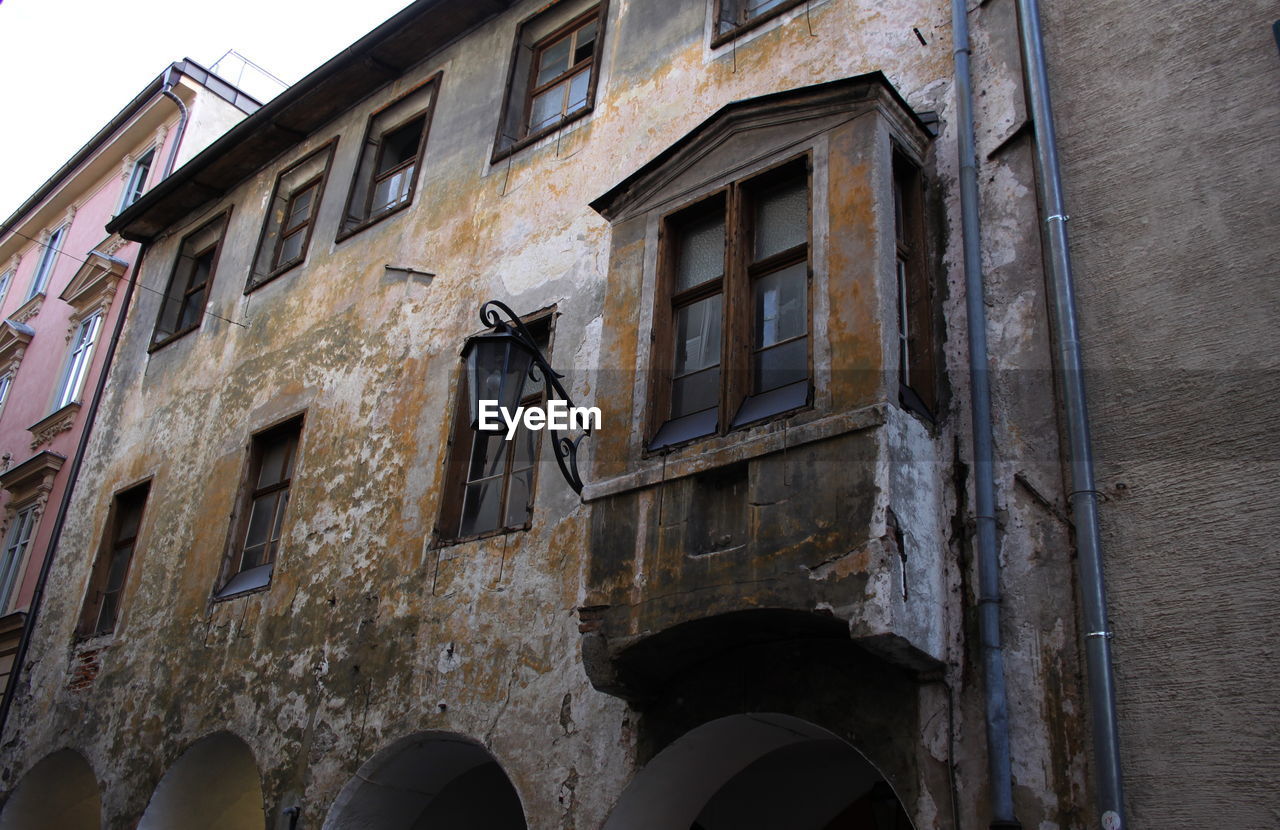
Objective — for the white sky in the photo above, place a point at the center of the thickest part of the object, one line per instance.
(68, 66)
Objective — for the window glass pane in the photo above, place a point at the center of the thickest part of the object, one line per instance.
(526, 443)
(579, 85)
(698, 335)
(192, 310)
(780, 365)
(547, 107)
(391, 191)
(481, 507)
(260, 521)
(274, 466)
(781, 306)
(301, 207)
(696, 392)
(107, 614)
(291, 246)
(119, 567)
(755, 8)
(586, 42)
(130, 518)
(553, 61)
(518, 498)
(782, 219)
(488, 455)
(701, 253)
(399, 146)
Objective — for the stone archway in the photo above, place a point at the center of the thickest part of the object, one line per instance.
(214, 785)
(429, 781)
(757, 772)
(60, 791)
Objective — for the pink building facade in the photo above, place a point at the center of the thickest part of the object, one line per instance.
(62, 280)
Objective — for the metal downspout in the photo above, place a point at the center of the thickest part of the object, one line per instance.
(1084, 495)
(11, 688)
(166, 91)
(997, 707)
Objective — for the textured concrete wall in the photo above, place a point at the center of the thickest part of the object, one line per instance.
(1169, 121)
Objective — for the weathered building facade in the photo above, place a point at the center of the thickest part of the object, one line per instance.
(59, 300)
(736, 229)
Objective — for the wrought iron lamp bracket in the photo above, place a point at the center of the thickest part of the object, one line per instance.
(566, 448)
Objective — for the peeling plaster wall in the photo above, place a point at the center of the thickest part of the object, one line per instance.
(367, 634)
(1168, 143)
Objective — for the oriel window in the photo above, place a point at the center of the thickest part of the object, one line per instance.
(735, 267)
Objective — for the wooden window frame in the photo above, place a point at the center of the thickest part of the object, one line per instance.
(346, 228)
(223, 218)
(736, 285)
(321, 179)
(522, 88)
(918, 358)
(90, 623)
(457, 462)
(743, 24)
(288, 429)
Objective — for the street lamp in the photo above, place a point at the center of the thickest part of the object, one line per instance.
(499, 364)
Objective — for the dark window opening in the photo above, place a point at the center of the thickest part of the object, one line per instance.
(917, 356)
(102, 604)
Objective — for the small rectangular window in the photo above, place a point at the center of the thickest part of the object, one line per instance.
(736, 16)
(78, 361)
(917, 359)
(260, 517)
(184, 302)
(489, 480)
(553, 72)
(22, 529)
(137, 181)
(390, 159)
(111, 567)
(6, 381)
(48, 258)
(736, 267)
(6, 280)
(286, 231)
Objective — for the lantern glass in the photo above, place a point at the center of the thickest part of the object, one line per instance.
(497, 367)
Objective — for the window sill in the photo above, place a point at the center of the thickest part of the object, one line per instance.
(343, 236)
(740, 445)
(177, 335)
(275, 274)
(501, 153)
(462, 540)
(736, 32)
(253, 581)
